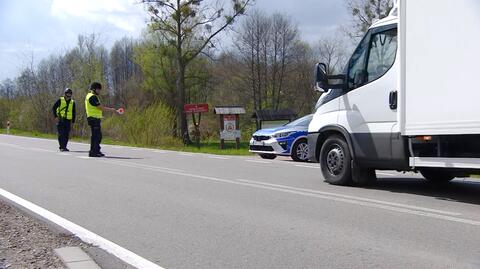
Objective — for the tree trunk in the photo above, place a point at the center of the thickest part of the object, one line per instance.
(254, 88)
(181, 116)
(282, 74)
(180, 84)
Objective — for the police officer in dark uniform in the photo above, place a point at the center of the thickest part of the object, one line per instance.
(64, 112)
(95, 109)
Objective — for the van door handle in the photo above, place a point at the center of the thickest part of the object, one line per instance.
(393, 99)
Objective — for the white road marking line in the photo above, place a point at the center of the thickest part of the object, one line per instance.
(41, 139)
(218, 157)
(308, 166)
(27, 148)
(41, 150)
(186, 154)
(354, 198)
(65, 154)
(85, 235)
(83, 157)
(116, 147)
(395, 207)
(10, 145)
(142, 166)
(28, 138)
(71, 142)
(255, 161)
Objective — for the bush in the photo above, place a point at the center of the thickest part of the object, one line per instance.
(4, 112)
(151, 126)
(22, 116)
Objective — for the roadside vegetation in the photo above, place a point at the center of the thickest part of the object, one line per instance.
(263, 64)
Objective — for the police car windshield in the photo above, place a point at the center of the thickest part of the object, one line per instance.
(304, 121)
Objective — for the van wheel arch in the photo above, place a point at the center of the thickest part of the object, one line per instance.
(360, 176)
(328, 131)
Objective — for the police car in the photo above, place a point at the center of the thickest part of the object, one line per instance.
(287, 140)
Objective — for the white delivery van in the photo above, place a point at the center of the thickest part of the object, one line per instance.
(409, 99)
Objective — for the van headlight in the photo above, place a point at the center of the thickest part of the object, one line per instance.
(280, 135)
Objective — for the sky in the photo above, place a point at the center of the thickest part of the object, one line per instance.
(31, 30)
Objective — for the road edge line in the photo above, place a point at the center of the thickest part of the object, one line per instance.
(123, 254)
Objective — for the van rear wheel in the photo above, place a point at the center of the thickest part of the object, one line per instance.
(436, 175)
(335, 161)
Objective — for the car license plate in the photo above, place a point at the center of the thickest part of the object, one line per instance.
(258, 143)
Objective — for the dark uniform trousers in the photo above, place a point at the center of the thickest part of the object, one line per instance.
(63, 128)
(96, 137)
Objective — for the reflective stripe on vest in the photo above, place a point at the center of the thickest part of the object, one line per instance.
(92, 111)
(63, 112)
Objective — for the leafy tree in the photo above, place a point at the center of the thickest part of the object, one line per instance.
(189, 26)
(157, 63)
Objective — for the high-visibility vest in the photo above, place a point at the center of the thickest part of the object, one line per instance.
(64, 111)
(92, 111)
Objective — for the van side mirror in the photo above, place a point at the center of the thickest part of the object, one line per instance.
(321, 79)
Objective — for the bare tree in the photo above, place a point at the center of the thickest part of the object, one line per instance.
(7, 89)
(266, 45)
(123, 70)
(299, 80)
(332, 52)
(252, 42)
(284, 35)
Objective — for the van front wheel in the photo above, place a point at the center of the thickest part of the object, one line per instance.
(335, 161)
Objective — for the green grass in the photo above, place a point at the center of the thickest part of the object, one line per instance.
(210, 147)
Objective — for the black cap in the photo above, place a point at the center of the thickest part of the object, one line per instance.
(68, 90)
(95, 86)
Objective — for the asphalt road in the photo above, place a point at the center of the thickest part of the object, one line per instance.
(183, 210)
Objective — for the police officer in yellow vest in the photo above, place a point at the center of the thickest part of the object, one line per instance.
(95, 111)
(64, 112)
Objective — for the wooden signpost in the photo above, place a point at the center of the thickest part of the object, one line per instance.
(229, 124)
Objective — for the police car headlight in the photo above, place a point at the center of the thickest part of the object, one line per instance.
(284, 134)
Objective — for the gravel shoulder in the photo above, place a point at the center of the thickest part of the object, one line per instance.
(28, 243)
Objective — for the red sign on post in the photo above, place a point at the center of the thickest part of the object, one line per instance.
(195, 108)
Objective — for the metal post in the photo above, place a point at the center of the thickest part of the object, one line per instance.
(237, 127)
(222, 141)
